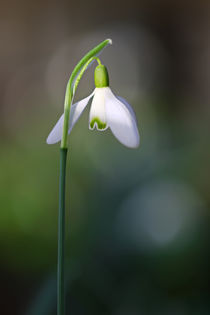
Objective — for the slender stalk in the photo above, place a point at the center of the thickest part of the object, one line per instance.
(61, 234)
(70, 91)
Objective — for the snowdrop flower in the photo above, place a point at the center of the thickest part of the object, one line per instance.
(107, 111)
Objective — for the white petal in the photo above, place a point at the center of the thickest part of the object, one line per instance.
(121, 99)
(76, 111)
(97, 117)
(56, 133)
(121, 120)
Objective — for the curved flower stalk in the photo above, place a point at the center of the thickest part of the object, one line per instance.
(106, 111)
(72, 85)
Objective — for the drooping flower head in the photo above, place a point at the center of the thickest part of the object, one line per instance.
(106, 111)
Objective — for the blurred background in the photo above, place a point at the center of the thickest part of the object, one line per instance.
(138, 221)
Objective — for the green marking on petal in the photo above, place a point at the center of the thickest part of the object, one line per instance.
(101, 125)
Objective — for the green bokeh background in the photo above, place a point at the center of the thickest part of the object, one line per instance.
(137, 220)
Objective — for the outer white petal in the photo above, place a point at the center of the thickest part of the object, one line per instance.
(121, 120)
(121, 99)
(56, 133)
(76, 111)
(97, 110)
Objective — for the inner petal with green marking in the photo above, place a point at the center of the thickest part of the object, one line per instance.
(97, 117)
(98, 123)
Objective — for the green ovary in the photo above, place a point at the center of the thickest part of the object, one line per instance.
(101, 125)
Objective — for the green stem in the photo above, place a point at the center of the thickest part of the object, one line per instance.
(61, 235)
(70, 91)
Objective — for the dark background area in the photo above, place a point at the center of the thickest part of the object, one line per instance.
(138, 220)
